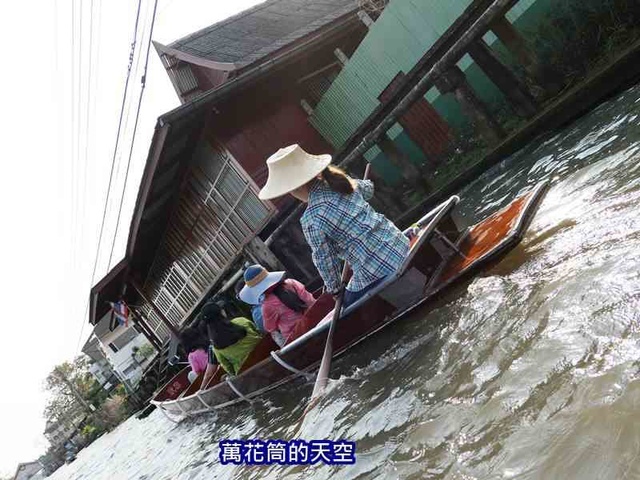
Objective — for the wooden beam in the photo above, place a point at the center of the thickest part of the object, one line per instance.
(259, 250)
(454, 81)
(146, 330)
(542, 81)
(366, 19)
(138, 288)
(341, 56)
(509, 84)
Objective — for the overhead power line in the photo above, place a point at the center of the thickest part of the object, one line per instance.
(135, 128)
(88, 123)
(115, 150)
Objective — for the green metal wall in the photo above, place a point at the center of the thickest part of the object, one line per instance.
(396, 41)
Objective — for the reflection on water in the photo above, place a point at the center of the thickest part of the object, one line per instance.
(528, 371)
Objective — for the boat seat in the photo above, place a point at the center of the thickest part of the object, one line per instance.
(314, 314)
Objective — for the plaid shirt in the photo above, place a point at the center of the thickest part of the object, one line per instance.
(346, 227)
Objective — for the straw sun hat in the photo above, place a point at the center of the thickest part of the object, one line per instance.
(290, 168)
(257, 281)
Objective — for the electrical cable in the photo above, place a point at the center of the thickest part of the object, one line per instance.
(106, 203)
(135, 127)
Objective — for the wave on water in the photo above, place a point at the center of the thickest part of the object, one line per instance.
(530, 370)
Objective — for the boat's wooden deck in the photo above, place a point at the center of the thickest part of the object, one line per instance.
(484, 237)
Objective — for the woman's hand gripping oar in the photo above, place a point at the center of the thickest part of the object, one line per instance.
(325, 365)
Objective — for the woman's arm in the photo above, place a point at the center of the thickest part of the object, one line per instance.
(323, 253)
(212, 366)
(269, 318)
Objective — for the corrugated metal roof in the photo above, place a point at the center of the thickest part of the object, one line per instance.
(255, 33)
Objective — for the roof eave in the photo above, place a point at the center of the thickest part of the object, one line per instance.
(194, 59)
(164, 123)
(255, 71)
(101, 285)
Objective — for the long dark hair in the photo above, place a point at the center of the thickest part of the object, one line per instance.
(289, 297)
(222, 332)
(192, 339)
(337, 180)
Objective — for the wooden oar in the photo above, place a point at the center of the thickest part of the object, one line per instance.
(325, 364)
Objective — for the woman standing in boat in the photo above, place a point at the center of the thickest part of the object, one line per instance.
(338, 223)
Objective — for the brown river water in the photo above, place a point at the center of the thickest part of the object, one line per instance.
(530, 370)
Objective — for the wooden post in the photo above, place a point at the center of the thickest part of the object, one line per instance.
(511, 86)
(365, 18)
(146, 330)
(259, 250)
(306, 106)
(341, 56)
(454, 81)
(155, 309)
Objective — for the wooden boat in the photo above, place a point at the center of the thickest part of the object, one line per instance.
(442, 252)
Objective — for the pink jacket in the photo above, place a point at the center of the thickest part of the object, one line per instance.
(198, 359)
(277, 316)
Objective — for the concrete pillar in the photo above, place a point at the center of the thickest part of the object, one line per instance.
(454, 81)
(509, 84)
(540, 80)
(410, 171)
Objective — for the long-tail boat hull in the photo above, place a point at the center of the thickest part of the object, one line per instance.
(441, 253)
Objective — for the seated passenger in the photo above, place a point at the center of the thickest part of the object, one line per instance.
(232, 340)
(256, 314)
(256, 310)
(285, 300)
(195, 345)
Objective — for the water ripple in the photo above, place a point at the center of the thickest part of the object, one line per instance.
(528, 371)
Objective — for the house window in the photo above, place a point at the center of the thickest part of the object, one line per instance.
(113, 347)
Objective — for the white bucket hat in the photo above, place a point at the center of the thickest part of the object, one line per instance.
(257, 281)
(290, 168)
